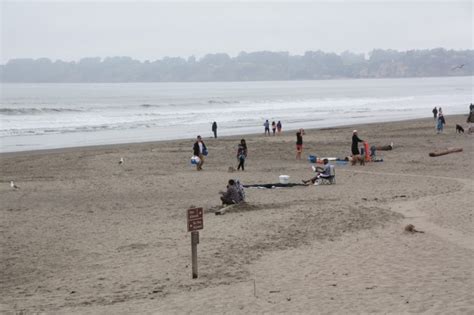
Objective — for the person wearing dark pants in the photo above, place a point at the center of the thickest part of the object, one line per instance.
(214, 129)
(198, 149)
(241, 154)
(266, 124)
(355, 143)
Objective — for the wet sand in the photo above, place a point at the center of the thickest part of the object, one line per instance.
(86, 235)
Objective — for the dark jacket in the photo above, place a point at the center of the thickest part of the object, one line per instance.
(241, 152)
(355, 144)
(196, 148)
(299, 138)
(441, 118)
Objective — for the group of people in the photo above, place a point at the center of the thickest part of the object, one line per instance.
(439, 119)
(235, 194)
(276, 127)
(200, 151)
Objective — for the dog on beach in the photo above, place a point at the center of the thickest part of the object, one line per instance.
(459, 129)
(231, 169)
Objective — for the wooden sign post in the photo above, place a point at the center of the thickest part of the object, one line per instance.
(195, 223)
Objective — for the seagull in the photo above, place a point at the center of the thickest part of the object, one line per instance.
(13, 186)
(121, 161)
(457, 67)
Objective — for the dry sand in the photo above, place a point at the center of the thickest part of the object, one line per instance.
(85, 235)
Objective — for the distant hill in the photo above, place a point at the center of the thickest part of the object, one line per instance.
(254, 66)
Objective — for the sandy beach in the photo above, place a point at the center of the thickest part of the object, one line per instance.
(85, 235)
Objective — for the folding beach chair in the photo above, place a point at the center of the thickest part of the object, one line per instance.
(329, 180)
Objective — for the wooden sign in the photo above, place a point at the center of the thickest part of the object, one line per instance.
(195, 219)
(195, 223)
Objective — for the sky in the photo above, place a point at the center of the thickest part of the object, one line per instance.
(150, 30)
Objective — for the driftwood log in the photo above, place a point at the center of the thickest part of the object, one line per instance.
(444, 152)
(383, 147)
(223, 210)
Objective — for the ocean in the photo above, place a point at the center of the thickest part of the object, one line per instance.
(54, 115)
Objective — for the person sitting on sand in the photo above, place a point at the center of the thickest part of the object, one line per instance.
(324, 171)
(232, 195)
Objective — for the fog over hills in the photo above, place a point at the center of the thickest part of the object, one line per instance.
(253, 66)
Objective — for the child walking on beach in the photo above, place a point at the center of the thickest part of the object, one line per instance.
(241, 154)
(274, 127)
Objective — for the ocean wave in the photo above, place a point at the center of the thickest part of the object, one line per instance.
(213, 101)
(36, 111)
(149, 105)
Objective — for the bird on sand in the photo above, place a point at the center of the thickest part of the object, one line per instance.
(458, 67)
(121, 161)
(13, 186)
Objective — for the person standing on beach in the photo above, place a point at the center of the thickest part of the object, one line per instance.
(241, 154)
(266, 124)
(274, 127)
(199, 148)
(299, 143)
(355, 143)
(440, 122)
(279, 127)
(435, 113)
(214, 129)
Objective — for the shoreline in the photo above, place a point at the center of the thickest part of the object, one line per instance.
(86, 235)
(148, 113)
(126, 144)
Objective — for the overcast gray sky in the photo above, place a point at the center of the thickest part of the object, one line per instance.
(154, 29)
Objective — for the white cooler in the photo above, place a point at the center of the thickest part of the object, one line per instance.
(284, 179)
